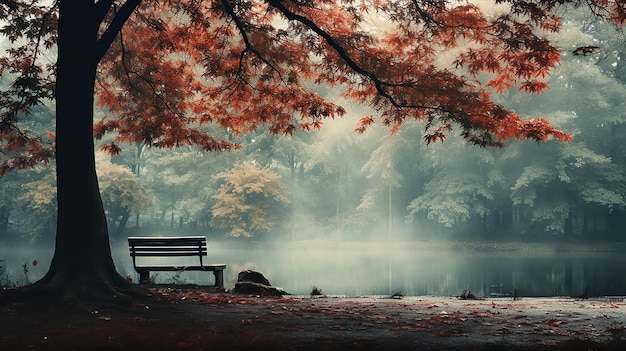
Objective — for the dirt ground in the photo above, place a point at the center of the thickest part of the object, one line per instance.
(192, 319)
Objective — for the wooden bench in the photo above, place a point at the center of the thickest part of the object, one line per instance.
(173, 247)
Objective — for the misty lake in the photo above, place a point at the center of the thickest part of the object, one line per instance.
(355, 269)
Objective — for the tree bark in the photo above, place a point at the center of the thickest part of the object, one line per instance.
(82, 266)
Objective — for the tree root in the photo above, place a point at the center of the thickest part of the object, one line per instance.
(86, 294)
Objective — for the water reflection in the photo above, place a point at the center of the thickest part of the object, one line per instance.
(354, 269)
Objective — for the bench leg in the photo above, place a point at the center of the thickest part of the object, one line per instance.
(219, 278)
(144, 275)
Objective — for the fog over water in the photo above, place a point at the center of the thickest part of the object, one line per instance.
(356, 269)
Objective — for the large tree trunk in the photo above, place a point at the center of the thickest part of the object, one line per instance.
(82, 266)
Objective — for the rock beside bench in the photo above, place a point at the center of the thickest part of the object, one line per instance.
(251, 282)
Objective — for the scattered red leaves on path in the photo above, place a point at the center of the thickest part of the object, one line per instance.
(204, 297)
(188, 318)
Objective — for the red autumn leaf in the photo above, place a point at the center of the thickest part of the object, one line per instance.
(555, 322)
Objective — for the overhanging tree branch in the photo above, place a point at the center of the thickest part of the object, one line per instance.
(121, 16)
(101, 8)
(378, 83)
(244, 35)
(426, 17)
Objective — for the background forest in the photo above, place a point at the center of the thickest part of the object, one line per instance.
(340, 185)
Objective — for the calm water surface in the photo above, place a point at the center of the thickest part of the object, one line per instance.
(354, 269)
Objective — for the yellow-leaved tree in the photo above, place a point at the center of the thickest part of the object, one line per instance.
(248, 200)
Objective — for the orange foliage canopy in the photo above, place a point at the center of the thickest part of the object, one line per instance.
(179, 67)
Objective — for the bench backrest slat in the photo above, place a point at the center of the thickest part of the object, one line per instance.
(166, 253)
(190, 249)
(167, 246)
(167, 241)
